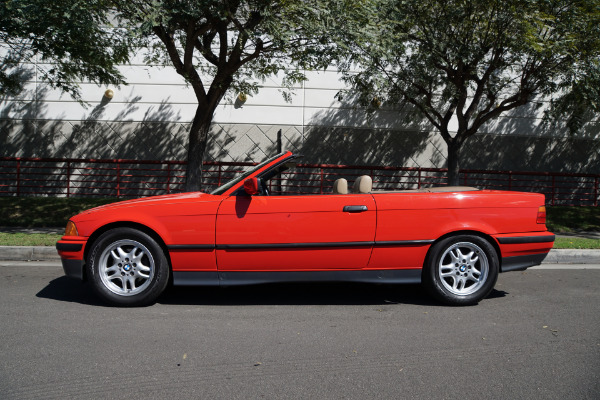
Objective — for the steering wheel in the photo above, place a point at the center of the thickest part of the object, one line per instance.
(265, 190)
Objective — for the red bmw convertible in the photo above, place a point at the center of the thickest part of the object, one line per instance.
(455, 240)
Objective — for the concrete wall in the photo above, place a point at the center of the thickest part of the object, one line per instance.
(149, 119)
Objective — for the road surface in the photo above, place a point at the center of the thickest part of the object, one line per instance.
(536, 336)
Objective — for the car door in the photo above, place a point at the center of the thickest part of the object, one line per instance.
(299, 232)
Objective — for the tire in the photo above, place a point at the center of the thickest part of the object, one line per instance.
(461, 270)
(127, 267)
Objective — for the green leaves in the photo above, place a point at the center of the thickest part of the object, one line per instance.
(461, 63)
(75, 36)
(221, 45)
(459, 58)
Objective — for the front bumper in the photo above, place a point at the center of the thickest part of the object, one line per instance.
(73, 268)
(71, 252)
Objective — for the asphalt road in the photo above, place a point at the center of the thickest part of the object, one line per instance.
(536, 336)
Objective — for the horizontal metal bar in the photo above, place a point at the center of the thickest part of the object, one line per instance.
(142, 177)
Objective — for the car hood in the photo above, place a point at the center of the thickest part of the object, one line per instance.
(155, 200)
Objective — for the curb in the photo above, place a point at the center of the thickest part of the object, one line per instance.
(573, 256)
(28, 253)
(48, 253)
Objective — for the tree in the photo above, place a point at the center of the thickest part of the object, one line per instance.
(579, 98)
(222, 45)
(463, 63)
(72, 41)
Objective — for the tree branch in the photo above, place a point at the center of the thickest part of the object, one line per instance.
(188, 72)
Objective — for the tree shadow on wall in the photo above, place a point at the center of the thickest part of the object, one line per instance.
(403, 138)
(30, 128)
(352, 136)
(346, 135)
(523, 143)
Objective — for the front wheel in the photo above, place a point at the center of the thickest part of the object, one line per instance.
(461, 270)
(127, 267)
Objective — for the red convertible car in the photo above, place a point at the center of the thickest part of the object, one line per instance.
(455, 240)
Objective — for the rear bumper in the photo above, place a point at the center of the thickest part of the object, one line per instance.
(524, 250)
(519, 263)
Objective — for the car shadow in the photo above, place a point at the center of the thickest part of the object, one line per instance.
(70, 290)
(299, 294)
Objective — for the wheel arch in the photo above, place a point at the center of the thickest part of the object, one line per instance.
(482, 235)
(125, 224)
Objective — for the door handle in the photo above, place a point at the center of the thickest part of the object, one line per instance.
(355, 209)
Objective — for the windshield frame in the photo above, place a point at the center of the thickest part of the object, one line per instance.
(221, 190)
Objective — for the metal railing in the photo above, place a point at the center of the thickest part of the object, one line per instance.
(20, 176)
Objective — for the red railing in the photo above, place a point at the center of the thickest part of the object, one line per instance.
(134, 178)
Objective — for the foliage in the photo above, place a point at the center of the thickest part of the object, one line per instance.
(576, 243)
(45, 211)
(28, 239)
(221, 46)
(462, 63)
(573, 219)
(66, 40)
(209, 41)
(580, 98)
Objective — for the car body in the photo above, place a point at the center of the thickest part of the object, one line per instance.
(455, 240)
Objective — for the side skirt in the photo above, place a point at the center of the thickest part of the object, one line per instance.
(212, 278)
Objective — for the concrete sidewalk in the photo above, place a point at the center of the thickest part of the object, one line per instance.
(47, 253)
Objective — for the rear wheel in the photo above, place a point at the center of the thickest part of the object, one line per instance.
(461, 269)
(127, 267)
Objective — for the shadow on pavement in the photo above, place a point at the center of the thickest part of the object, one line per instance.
(299, 294)
(70, 290)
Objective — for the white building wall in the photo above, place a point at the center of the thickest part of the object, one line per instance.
(149, 119)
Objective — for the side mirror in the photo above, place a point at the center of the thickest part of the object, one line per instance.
(251, 186)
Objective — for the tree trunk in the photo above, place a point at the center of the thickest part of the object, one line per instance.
(198, 138)
(453, 161)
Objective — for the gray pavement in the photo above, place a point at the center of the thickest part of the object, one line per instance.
(537, 336)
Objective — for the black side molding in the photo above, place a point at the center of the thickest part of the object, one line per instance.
(526, 239)
(404, 242)
(292, 245)
(319, 245)
(191, 247)
(68, 246)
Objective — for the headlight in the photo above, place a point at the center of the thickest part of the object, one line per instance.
(71, 229)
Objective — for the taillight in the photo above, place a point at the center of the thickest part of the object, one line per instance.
(541, 215)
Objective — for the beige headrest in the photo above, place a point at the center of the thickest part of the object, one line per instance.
(340, 186)
(363, 184)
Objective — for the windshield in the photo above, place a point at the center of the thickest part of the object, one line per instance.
(222, 189)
